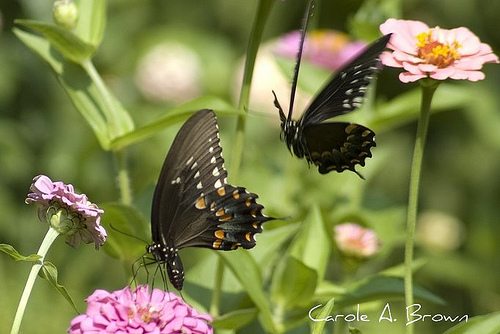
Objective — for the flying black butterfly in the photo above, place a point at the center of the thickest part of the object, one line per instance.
(193, 205)
(338, 145)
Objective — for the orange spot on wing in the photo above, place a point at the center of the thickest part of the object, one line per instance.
(219, 234)
(221, 191)
(200, 203)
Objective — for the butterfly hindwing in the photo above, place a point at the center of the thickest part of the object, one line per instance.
(338, 146)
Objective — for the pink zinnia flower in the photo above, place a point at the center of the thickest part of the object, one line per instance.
(139, 311)
(68, 212)
(326, 48)
(434, 52)
(355, 240)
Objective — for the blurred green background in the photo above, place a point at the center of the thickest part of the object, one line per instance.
(41, 133)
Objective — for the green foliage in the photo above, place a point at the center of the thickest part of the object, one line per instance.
(49, 272)
(13, 253)
(295, 264)
(484, 324)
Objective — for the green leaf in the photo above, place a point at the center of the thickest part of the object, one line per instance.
(246, 270)
(271, 241)
(293, 284)
(382, 287)
(91, 98)
(234, 320)
(484, 324)
(125, 226)
(175, 115)
(312, 245)
(318, 326)
(402, 109)
(63, 40)
(91, 21)
(49, 272)
(13, 253)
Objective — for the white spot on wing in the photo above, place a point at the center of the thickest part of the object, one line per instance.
(197, 174)
(217, 184)
(213, 160)
(211, 149)
(176, 181)
(215, 172)
(199, 185)
(358, 99)
(194, 165)
(189, 161)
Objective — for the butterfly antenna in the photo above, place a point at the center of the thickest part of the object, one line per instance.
(128, 234)
(303, 31)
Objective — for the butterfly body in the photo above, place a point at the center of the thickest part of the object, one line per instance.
(334, 146)
(193, 205)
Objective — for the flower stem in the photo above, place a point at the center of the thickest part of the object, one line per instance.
(123, 178)
(428, 89)
(263, 10)
(44, 248)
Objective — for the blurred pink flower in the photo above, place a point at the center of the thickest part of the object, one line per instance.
(434, 52)
(355, 240)
(169, 71)
(139, 311)
(326, 48)
(77, 217)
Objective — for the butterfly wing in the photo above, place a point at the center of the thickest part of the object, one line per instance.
(346, 90)
(338, 146)
(193, 205)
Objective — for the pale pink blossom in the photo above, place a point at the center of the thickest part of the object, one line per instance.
(78, 218)
(434, 52)
(326, 48)
(139, 311)
(355, 240)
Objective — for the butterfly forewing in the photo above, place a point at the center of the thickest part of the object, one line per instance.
(346, 90)
(193, 205)
(180, 181)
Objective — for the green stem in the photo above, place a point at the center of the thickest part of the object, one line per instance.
(109, 106)
(216, 295)
(44, 248)
(263, 10)
(123, 178)
(428, 89)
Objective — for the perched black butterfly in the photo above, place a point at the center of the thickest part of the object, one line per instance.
(333, 146)
(193, 205)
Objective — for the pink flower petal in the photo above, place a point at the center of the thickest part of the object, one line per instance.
(404, 34)
(439, 54)
(139, 311)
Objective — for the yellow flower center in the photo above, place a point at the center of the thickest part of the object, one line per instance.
(435, 52)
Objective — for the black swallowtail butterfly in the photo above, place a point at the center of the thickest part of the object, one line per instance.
(337, 145)
(193, 205)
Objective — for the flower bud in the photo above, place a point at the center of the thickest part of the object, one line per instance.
(65, 14)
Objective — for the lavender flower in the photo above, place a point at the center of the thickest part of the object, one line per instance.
(329, 49)
(139, 311)
(68, 212)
